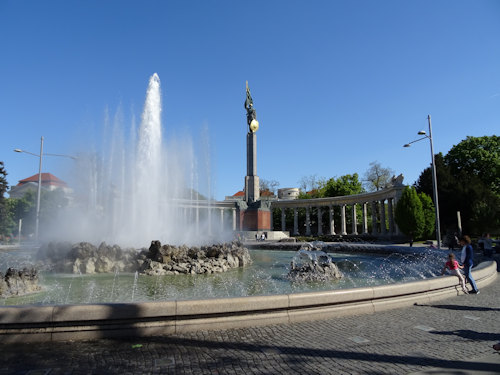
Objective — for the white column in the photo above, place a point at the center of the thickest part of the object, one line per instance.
(234, 218)
(308, 221)
(221, 219)
(342, 220)
(295, 222)
(365, 219)
(320, 222)
(354, 220)
(332, 223)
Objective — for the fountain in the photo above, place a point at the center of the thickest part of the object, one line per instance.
(132, 197)
(131, 190)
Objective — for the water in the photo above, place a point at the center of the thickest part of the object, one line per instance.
(140, 183)
(266, 276)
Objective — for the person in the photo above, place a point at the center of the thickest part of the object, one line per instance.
(467, 261)
(454, 267)
(487, 244)
(496, 346)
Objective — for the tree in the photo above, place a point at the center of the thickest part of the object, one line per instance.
(479, 158)
(409, 214)
(344, 185)
(467, 181)
(270, 185)
(429, 212)
(309, 183)
(377, 177)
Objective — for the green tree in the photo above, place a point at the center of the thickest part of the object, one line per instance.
(344, 185)
(479, 158)
(409, 214)
(429, 212)
(467, 179)
(377, 177)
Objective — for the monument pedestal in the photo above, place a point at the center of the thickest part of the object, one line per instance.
(255, 216)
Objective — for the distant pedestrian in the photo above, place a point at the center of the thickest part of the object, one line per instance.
(467, 261)
(454, 267)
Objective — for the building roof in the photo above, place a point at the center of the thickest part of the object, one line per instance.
(239, 194)
(266, 193)
(48, 179)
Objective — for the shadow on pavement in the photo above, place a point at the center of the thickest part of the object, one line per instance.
(459, 307)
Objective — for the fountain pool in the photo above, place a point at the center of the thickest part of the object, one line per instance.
(266, 276)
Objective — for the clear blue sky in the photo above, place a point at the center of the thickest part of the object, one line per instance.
(336, 84)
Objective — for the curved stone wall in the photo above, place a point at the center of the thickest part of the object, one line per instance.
(86, 322)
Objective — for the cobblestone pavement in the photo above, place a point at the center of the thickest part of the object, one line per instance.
(452, 336)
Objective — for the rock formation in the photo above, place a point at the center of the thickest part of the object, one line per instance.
(86, 258)
(17, 283)
(172, 260)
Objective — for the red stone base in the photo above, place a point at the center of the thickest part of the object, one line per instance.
(255, 219)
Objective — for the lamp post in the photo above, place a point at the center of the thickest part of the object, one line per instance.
(434, 177)
(40, 156)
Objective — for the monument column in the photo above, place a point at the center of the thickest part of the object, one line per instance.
(234, 218)
(283, 219)
(252, 191)
(255, 214)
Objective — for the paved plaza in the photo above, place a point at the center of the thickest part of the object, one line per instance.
(452, 336)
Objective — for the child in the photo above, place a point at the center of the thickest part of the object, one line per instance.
(453, 266)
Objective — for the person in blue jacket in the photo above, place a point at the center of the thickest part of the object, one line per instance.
(467, 261)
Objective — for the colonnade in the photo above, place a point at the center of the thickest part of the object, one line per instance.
(381, 204)
(215, 217)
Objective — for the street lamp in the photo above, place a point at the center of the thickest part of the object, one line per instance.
(40, 156)
(434, 178)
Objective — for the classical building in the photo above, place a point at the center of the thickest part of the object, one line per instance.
(49, 183)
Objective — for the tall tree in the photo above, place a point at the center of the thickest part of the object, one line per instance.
(377, 177)
(479, 158)
(409, 214)
(468, 180)
(429, 212)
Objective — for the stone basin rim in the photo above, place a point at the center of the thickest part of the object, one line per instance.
(160, 318)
